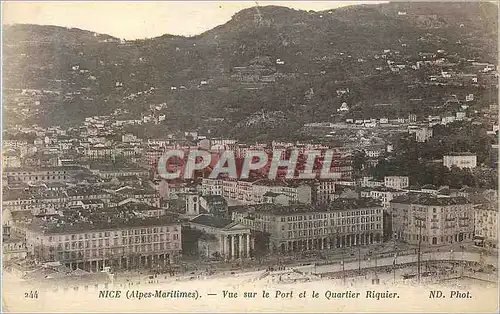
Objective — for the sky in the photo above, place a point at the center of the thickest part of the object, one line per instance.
(136, 20)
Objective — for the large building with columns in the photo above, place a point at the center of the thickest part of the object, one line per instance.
(123, 240)
(227, 239)
(297, 228)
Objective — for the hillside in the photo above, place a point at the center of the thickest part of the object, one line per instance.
(94, 74)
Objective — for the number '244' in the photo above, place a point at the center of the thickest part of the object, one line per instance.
(31, 295)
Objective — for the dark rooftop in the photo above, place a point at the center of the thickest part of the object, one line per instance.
(101, 221)
(336, 205)
(211, 221)
(214, 198)
(428, 199)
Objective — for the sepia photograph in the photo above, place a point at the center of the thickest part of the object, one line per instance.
(249, 156)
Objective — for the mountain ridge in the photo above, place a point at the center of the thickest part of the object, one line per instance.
(328, 44)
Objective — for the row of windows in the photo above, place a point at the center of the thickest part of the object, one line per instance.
(320, 223)
(108, 234)
(331, 215)
(115, 242)
(31, 174)
(325, 231)
(102, 253)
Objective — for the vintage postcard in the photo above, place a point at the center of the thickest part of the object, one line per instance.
(248, 156)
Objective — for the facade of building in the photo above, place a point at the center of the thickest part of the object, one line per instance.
(225, 238)
(297, 228)
(397, 182)
(14, 247)
(423, 135)
(92, 243)
(31, 175)
(325, 191)
(216, 205)
(486, 224)
(384, 195)
(432, 220)
(460, 160)
(252, 192)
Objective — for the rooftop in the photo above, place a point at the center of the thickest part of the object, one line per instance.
(461, 154)
(104, 220)
(211, 221)
(428, 199)
(41, 169)
(214, 198)
(337, 205)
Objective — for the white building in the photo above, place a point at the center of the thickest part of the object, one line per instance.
(396, 182)
(423, 134)
(343, 108)
(461, 160)
(486, 224)
(222, 237)
(431, 220)
(252, 192)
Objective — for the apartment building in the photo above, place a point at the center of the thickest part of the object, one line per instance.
(252, 192)
(460, 160)
(382, 194)
(432, 220)
(397, 182)
(486, 223)
(423, 134)
(92, 242)
(325, 191)
(48, 174)
(14, 246)
(297, 228)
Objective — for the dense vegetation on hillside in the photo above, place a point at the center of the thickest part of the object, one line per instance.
(324, 51)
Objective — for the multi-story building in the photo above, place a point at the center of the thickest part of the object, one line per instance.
(432, 220)
(37, 200)
(486, 224)
(92, 242)
(296, 228)
(211, 187)
(423, 134)
(14, 246)
(216, 205)
(397, 182)
(252, 192)
(461, 160)
(31, 175)
(222, 237)
(370, 182)
(109, 171)
(325, 191)
(383, 194)
(79, 193)
(146, 195)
